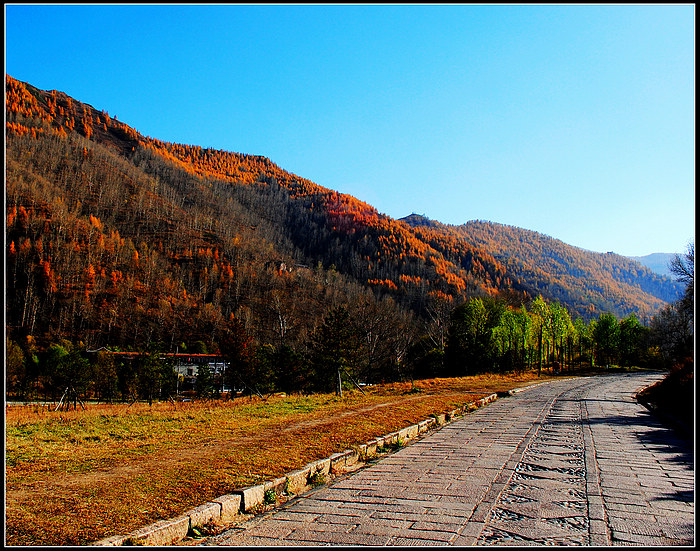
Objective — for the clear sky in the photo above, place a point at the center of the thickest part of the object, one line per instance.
(576, 121)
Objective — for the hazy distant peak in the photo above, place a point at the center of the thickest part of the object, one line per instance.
(656, 262)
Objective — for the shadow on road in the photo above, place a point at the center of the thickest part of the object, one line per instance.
(656, 433)
(681, 495)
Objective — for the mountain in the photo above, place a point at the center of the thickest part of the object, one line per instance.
(581, 279)
(656, 262)
(115, 238)
(588, 283)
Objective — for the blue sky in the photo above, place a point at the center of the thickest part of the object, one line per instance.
(576, 121)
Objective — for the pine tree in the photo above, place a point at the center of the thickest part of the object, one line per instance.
(334, 350)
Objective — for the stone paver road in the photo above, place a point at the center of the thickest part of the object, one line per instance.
(571, 462)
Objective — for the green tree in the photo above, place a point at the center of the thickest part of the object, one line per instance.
(34, 369)
(606, 336)
(633, 340)
(16, 376)
(106, 376)
(470, 344)
(506, 339)
(236, 345)
(334, 350)
(583, 341)
(292, 372)
(148, 371)
(425, 359)
(264, 367)
(69, 373)
(511, 336)
(156, 377)
(560, 327)
(127, 378)
(524, 331)
(204, 384)
(52, 368)
(540, 315)
(167, 383)
(199, 347)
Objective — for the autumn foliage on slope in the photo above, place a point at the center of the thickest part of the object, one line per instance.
(115, 238)
(588, 283)
(159, 205)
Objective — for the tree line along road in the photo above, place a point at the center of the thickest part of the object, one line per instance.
(570, 462)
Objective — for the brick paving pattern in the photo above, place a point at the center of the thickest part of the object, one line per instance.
(572, 462)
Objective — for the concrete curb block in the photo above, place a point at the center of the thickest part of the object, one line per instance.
(204, 514)
(251, 496)
(110, 541)
(245, 500)
(230, 506)
(163, 532)
(297, 481)
(516, 390)
(424, 426)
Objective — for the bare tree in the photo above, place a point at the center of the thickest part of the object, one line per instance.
(683, 266)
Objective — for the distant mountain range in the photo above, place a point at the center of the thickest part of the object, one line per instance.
(116, 238)
(656, 262)
(579, 278)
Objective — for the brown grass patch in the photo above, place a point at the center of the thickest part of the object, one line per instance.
(75, 477)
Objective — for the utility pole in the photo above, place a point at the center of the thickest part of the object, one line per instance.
(339, 387)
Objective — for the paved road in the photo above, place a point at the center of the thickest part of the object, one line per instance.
(575, 462)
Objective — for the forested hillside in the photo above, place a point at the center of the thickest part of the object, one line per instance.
(118, 239)
(587, 282)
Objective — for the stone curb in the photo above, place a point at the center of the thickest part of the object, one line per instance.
(246, 500)
(521, 389)
(165, 532)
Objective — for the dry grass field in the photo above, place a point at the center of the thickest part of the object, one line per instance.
(75, 477)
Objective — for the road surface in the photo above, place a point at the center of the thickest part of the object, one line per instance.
(571, 462)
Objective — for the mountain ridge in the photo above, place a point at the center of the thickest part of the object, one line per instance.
(656, 262)
(218, 226)
(565, 263)
(418, 219)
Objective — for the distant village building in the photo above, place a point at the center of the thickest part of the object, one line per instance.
(187, 368)
(185, 365)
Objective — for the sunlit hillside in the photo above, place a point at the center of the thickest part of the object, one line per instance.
(584, 280)
(115, 238)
